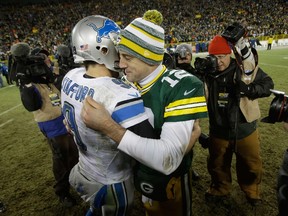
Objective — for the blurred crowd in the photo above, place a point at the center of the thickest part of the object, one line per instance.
(49, 24)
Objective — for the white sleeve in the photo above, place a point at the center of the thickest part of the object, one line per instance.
(248, 58)
(164, 154)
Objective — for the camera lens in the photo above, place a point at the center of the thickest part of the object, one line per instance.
(278, 108)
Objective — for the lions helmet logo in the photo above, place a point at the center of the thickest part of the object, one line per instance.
(108, 27)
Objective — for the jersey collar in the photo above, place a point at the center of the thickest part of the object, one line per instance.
(145, 85)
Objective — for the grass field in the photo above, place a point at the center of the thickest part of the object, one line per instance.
(26, 182)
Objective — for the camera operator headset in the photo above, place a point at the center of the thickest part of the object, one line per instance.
(232, 87)
(34, 76)
(278, 112)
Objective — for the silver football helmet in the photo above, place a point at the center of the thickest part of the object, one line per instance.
(93, 39)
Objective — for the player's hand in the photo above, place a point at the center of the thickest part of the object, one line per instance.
(94, 115)
(196, 131)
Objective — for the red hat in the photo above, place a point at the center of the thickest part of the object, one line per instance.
(219, 45)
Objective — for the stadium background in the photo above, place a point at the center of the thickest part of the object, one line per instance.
(25, 160)
(48, 23)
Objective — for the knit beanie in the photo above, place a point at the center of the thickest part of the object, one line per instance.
(143, 38)
(185, 47)
(219, 45)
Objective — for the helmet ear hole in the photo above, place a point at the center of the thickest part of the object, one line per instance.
(104, 50)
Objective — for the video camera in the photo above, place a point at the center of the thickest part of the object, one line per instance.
(33, 66)
(278, 111)
(234, 32)
(207, 65)
(29, 67)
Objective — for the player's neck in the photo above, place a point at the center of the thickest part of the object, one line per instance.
(98, 71)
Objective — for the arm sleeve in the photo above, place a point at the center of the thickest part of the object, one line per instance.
(164, 154)
(30, 98)
(144, 129)
(261, 85)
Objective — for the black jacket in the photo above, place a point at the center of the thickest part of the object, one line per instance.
(225, 116)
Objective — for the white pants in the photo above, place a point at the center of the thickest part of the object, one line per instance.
(114, 199)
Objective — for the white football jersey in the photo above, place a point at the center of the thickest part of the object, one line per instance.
(99, 157)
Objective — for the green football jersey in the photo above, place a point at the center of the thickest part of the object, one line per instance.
(174, 95)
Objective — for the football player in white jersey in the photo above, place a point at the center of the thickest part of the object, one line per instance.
(103, 175)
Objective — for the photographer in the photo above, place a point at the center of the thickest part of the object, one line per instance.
(183, 58)
(232, 89)
(34, 76)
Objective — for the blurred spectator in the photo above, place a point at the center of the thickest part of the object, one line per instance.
(269, 43)
(183, 57)
(4, 71)
(49, 25)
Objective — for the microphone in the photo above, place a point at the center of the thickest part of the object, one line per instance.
(63, 51)
(20, 50)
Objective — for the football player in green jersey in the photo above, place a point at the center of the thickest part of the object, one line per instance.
(174, 101)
